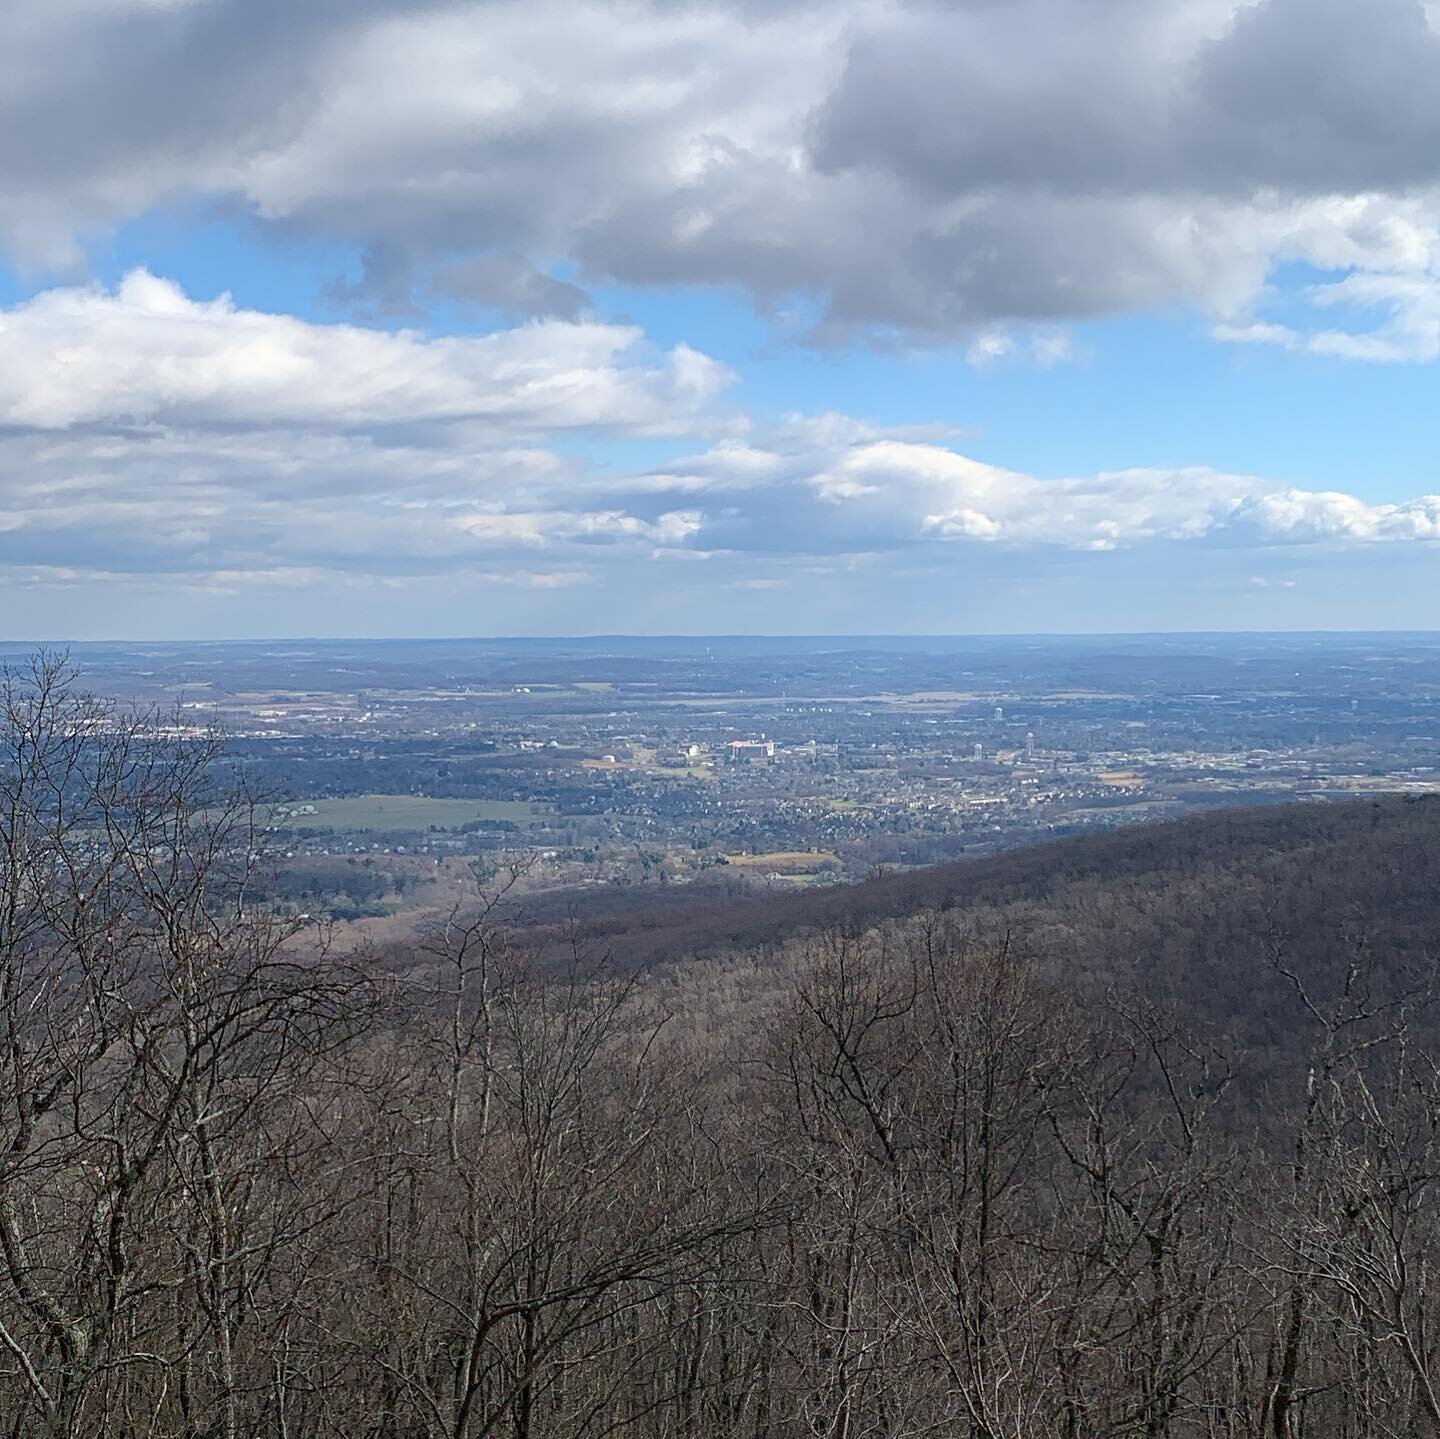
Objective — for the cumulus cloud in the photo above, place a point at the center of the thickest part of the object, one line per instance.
(877, 493)
(923, 167)
(150, 439)
(1325, 515)
(144, 432)
(149, 354)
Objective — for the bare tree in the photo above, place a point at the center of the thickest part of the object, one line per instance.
(148, 1001)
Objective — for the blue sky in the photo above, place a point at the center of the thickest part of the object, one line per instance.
(1143, 389)
(878, 316)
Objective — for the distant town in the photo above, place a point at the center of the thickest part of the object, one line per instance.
(768, 762)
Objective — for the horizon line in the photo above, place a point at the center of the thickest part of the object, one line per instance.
(642, 637)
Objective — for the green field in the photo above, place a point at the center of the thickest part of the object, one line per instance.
(403, 811)
(806, 860)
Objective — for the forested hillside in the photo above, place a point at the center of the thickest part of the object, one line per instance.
(1204, 915)
(1136, 1135)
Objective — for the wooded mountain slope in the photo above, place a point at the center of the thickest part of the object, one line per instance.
(1137, 1136)
(1206, 891)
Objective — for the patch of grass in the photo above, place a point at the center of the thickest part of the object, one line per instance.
(793, 859)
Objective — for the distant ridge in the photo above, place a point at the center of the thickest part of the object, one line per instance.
(1300, 868)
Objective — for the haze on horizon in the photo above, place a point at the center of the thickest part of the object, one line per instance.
(634, 316)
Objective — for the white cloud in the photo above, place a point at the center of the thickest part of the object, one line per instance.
(1408, 332)
(1324, 515)
(865, 493)
(154, 443)
(149, 354)
(556, 526)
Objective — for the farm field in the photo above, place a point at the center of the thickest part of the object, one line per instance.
(403, 811)
(792, 859)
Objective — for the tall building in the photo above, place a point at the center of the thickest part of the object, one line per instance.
(743, 751)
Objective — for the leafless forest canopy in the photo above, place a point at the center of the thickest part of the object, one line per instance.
(1123, 1137)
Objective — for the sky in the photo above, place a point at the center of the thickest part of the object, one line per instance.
(482, 317)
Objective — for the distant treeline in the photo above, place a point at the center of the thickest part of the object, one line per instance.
(1128, 1136)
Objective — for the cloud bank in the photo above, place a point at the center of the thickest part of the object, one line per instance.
(923, 168)
(146, 434)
